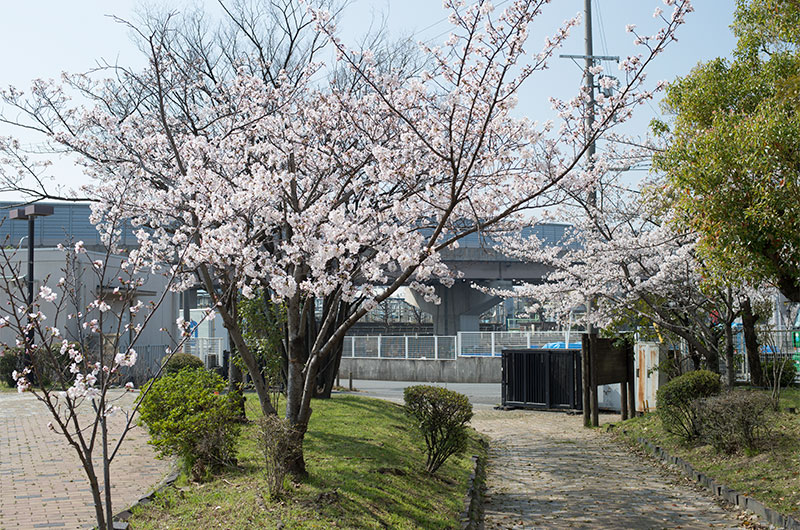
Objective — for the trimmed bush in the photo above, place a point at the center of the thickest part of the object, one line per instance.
(180, 361)
(8, 363)
(787, 376)
(442, 416)
(675, 401)
(187, 416)
(734, 420)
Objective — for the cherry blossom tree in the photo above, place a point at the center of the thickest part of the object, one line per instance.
(77, 360)
(310, 189)
(627, 259)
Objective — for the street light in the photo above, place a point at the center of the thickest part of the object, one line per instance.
(30, 213)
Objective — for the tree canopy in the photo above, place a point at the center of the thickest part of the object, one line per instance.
(732, 156)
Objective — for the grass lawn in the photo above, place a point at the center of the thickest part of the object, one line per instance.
(366, 470)
(771, 476)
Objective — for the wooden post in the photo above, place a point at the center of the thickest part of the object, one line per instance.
(350, 384)
(585, 380)
(623, 386)
(623, 396)
(631, 381)
(593, 379)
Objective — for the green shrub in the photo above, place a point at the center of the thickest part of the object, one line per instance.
(734, 420)
(8, 363)
(50, 365)
(787, 376)
(179, 361)
(675, 401)
(442, 416)
(187, 416)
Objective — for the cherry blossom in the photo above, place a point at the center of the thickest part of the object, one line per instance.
(310, 189)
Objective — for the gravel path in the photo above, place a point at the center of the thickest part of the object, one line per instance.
(546, 470)
(43, 484)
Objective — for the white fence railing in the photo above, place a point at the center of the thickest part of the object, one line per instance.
(448, 347)
(148, 362)
(492, 343)
(208, 349)
(432, 347)
(774, 345)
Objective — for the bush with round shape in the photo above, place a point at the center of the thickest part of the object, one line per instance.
(187, 415)
(734, 421)
(180, 361)
(787, 375)
(442, 416)
(675, 401)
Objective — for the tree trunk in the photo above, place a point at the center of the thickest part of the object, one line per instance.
(231, 323)
(235, 380)
(330, 365)
(295, 462)
(262, 390)
(751, 343)
(712, 359)
(730, 362)
(695, 356)
(95, 488)
(327, 376)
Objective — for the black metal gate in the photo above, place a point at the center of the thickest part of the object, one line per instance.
(546, 379)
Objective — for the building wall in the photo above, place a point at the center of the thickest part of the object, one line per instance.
(68, 224)
(49, 267)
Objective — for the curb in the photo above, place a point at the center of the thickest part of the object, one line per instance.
(121, 519)
(744, 502)
(471, 515)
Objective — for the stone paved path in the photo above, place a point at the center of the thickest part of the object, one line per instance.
(41, 482)
(545, 470)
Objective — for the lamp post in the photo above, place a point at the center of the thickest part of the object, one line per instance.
(30, 213)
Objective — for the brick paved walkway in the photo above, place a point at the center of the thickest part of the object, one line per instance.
(546, 470)
(42, 484)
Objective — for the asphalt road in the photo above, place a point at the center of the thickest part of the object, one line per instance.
(481, 395)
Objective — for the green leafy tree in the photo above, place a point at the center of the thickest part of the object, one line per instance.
(733, 152)
(262, 324)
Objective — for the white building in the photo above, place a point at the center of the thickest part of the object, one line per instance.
(50, 265)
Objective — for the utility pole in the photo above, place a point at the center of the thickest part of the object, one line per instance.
(589, 368)
(590, 330)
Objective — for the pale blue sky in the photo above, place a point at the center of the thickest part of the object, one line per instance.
(45, 37)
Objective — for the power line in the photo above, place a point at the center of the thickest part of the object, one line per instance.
(603, 41)
(442, 34)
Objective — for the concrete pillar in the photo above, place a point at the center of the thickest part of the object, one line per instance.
(460, 308)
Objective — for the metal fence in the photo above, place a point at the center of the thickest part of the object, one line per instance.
(147, 363)
(208, 349)
(149, 357)
(432, 347)
(774, 345)
(492, 343)
(446, 347)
